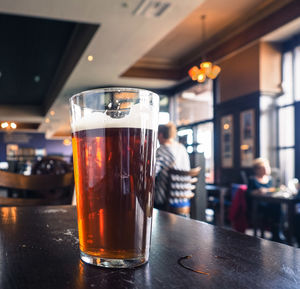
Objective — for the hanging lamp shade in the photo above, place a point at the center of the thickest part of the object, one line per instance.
(194, 72)
(201, 75)
(215, 70)
(206, 68)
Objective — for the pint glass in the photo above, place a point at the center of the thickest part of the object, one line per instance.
(114, 132)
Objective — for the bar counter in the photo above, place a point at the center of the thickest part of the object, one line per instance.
(39, 249)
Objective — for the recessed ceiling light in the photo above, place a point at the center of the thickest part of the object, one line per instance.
(52, 112)
(4, 124)
(47, 120)
(90, 58)
(37, 78)
(13, 125)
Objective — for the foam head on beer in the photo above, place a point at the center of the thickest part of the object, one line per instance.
(139, 116)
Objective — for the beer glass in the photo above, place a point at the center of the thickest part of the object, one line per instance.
(114, 136)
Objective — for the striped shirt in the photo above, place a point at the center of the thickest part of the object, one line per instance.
(168, 157)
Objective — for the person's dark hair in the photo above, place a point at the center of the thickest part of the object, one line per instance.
(168, 131)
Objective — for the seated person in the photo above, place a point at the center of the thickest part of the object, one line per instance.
(261, 183)
(170, 155)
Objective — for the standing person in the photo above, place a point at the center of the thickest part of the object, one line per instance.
(261, 183)
(170, 155)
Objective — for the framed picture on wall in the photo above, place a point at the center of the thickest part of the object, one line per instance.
(227, 141)
(247, 133)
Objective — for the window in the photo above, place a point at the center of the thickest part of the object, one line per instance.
(205, 144)
(286, 114)
(194, 117)
(186, 138)
(164, 115)
(195, 105)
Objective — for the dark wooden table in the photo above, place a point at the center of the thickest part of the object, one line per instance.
(39, 249)
(279, 198)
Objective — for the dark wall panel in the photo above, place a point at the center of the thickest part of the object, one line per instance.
(226, 176)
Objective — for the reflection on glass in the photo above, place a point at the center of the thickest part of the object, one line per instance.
(80, 275)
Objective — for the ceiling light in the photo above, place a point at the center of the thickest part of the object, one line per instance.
(13, 125)
(7, 125)
(4, 124)
(47, 120)
(52, 112)
(66, 142)
(37, 78)
(201, 76)
(206, 68)
(90, 58)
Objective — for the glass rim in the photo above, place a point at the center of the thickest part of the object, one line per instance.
(111, 89)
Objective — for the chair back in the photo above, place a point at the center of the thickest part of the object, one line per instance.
(181, 190)
(46, 189)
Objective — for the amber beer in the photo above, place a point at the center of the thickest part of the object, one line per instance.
(114, 182)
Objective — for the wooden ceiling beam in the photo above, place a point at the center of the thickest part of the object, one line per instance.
(153, 73)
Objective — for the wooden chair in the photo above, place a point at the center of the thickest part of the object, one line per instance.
(46, 189)
(181, 190)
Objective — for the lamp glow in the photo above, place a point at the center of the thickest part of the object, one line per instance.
(211, 71)
(201, 76)
(194, 72)
(13, 125)
(226, 126)
(66, 142)
(244, 147)
(4, 124)
(206, 66)
(214, 72)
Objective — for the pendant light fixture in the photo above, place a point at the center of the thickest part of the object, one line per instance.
(206, 68)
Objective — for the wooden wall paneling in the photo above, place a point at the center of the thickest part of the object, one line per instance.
(250, 101)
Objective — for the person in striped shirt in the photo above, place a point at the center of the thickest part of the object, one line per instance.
(170, 155)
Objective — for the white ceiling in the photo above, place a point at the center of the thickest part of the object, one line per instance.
(122, 39)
